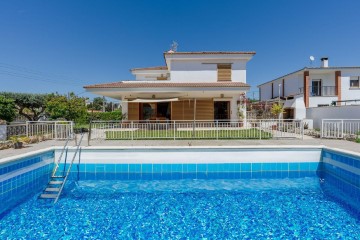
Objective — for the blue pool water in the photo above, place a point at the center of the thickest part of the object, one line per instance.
(197, 209)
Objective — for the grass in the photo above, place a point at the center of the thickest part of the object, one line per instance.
(140, 134)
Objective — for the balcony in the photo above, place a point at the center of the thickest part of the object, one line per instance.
(315, 91)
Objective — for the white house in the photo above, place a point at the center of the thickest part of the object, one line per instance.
(313, 87)
(192, 85)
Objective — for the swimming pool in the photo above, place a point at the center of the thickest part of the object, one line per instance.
(231, 193)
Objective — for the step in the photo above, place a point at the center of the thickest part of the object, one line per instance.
(50, 189)
(55, 182)
(44, 195)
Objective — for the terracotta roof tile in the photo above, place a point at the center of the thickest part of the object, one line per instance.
(151, 68)
(132, 84)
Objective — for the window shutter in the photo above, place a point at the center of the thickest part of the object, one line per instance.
(224, 72)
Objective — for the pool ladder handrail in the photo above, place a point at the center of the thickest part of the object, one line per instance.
(68, 171)
(57, 183)
(61, 154)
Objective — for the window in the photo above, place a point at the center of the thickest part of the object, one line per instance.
(316, 87)
(354, 82)
(224, 72)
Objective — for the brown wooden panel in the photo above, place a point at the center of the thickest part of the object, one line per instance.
(204, 109)
(182, 110)
(133, 111)
(224, 72)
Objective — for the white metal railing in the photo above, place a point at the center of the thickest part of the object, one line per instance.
(46, 129)
(247, 129)
(339, 128)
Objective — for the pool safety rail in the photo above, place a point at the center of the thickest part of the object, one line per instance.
(59, 130)
(57, 182)
(168, 129)
(340, 128)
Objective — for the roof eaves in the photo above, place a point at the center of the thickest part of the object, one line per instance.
(150, 68)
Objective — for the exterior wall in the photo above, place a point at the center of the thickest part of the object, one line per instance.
(347, 92)
(339, 112)
(265, 92)
(204, 71)
(292, 84)
(327, 79)
(147, 77)
(315, 101)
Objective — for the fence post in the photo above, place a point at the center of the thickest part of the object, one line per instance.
(302, 129)
(322, 128)
(342, 128)
(89, 133)
(27, 128)
(217, 129)
(174, 130)
(55, 130)
(132, 130)
(260, 129)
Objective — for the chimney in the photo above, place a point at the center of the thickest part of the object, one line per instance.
(324, 62)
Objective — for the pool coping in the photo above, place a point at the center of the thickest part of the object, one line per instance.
(248, 147)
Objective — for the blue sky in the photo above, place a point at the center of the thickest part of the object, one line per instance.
(48, 46)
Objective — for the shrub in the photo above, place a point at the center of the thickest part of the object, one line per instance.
(106, 116)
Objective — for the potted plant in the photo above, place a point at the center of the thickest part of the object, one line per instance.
(17, 142)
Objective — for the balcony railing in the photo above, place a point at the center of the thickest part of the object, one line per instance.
(325, 91)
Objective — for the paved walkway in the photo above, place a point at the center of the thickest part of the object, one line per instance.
(342, 144)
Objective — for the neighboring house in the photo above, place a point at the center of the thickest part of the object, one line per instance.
(313, 87)
(192, 86)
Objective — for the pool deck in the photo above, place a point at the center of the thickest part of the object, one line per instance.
(308, 141)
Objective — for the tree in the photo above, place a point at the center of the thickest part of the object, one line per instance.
(29, 105)
(277, 110)
(72, 108)
(97, 104)
(7, 109)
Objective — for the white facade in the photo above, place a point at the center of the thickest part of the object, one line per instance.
(196, 69)
(323, 88)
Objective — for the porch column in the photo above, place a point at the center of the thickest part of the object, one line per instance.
(234, 109)
(338, 85)
(124, 107)
(306, 88)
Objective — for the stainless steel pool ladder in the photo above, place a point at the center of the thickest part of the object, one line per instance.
(61, 154)
(57, 183)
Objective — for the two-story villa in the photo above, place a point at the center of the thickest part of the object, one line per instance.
(313, 87)
(192, 86)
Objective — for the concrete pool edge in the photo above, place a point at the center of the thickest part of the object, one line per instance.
(247, 147)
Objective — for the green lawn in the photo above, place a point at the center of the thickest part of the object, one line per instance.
(251, 133)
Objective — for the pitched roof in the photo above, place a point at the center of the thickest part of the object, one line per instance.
(151, 68)
(144, 84)
(212, 52)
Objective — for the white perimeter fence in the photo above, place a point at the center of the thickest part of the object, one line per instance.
(46, 129)
(248, 129)
(339, 128)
